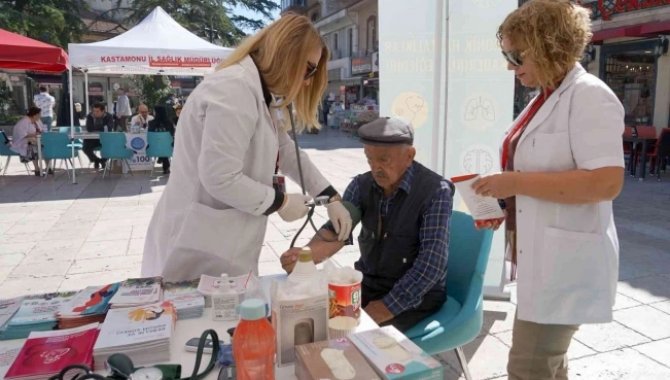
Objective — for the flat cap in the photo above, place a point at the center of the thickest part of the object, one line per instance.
(386, 131)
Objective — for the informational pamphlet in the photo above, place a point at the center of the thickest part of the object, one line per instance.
(141, 332)
(36, 313)
(45, 353)
(7, 356)
(185, 297)
(8, 308)
(481, 208)
(138, 291)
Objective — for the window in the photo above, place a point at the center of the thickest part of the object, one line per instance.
(336, 53)
(371, 37)
(630, 70)
(350, 42)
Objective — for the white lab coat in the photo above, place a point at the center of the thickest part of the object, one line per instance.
(568, 255)
(210, 216)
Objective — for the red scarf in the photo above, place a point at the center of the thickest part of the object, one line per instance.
(521, 124)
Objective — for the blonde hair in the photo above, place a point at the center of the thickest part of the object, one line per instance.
(552, 33)
(280, 51)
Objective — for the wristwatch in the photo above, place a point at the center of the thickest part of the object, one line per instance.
(335, 198)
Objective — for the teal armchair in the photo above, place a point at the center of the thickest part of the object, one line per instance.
(113, 147)
(459, 321)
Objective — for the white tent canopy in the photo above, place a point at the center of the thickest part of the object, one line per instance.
(157, 45)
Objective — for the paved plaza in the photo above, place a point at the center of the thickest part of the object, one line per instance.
(58, 236)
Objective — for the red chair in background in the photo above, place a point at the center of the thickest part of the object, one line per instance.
(647, 133)
(628, 146)
(661, 154)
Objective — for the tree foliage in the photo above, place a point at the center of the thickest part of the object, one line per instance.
(213, 20)
(152, 90)
(52, 21)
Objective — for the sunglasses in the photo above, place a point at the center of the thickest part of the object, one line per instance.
(311, 70)
(513, 57)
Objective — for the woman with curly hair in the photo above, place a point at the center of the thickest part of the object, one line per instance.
(562, 165)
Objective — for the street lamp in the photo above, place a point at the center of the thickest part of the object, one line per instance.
(211, 32)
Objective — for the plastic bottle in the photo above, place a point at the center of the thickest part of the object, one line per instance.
(225, 301)
(305, 268)
(254, 343)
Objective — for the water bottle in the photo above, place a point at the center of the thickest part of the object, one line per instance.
(305, 268)
(105, 128)
(254, 343)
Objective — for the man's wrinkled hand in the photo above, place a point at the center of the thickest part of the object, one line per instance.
(289, 258)
(378, 312)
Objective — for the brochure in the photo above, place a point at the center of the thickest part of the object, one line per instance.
(185, 297)
(141, 332)
(481, 208)
(138, 291)
(45, 353)
(8, 308)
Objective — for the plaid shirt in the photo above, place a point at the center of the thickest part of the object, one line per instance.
(430, 266)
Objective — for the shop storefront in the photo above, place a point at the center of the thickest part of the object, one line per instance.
(631, 69)
(629, 52)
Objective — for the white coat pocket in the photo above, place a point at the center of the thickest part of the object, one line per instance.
(573, 261)
(576, 279)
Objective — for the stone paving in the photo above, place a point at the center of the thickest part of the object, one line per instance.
(58, 236)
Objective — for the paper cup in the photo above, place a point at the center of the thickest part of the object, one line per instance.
(340, 327)
(344, 300)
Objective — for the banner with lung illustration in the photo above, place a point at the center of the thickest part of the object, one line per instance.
(440, 67)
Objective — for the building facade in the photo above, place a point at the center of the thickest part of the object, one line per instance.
(629, 52)
(349, 28)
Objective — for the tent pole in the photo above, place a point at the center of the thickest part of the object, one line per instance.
(69, 74)
(86, 91)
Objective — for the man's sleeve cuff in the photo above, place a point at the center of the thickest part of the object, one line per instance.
(394, 306)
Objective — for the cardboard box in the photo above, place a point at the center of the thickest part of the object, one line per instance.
(394, 356)
(297, 322)
(334, 359)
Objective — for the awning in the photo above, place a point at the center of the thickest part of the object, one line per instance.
(641, 30)
(19, 52)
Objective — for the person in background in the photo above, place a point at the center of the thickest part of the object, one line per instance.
(45, 102)
(404, 273)
(177, 112)
(123, 111)
(161, 123)
(78, 114)
(142, 118)
(97, 121)
(24, 138)
(230, 147)
(562, 162)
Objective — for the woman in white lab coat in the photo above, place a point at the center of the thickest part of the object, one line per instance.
(230, 142)
(562, 163)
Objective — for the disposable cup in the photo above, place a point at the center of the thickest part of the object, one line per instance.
(344, 300)
(340, 327)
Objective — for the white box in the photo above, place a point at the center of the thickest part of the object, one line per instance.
(298, 322)
(394, 356)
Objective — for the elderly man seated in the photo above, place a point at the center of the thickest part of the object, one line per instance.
(142, 118)
(404, 239)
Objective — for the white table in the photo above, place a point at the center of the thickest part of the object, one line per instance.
(193, 328)
(139, 160)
